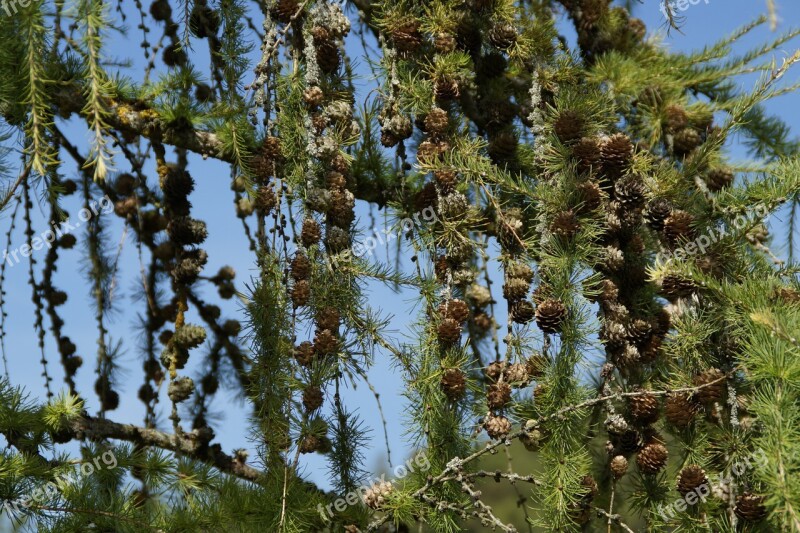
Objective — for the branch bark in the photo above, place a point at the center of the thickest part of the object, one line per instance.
(195, 444)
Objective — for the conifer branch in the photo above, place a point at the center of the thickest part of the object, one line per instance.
(195, 444)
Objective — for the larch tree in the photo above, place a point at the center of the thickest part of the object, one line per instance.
(595, 285)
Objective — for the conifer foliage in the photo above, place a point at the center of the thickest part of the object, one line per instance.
(597, 293)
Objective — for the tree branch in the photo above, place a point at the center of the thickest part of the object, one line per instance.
(194, 444)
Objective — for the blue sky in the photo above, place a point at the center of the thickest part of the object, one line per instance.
(704, 23)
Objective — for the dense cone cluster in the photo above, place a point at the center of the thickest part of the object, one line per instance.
(590, 174)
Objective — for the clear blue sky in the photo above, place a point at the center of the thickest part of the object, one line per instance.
(705, 23)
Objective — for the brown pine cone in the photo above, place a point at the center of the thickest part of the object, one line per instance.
(301, 267)
(651, 350)
(515, 289)
(680, 409)
(536, 365)
(616, 153)
(517, 374)
(678, 227)
(608, 292)
(444, 43)
(271, 148)
(711, 393)
(325, 342)
(180, 389)
(639, 331)
(336, 180)
(569, 126)
(311, 233)
(313, 96)
(482, 321)
(540, 391)
(339, 163)
(426, 197)
(446, 88)
(629, 192)
(719, 178)
(503, 35)
(590, 197)
(675, 118)
(690, 478)
(565, 224)
(265, 200)
(428, 152)
(522, 312)
(440, 267)
(301, 292)
(662, 322)
(684, 141)
(328, 56)
(449, 331)
(284, 10)
(550, 315)
(160, 10)
(454, 384)
(495, 370)
(652, 458)
(375, 496)
(644, 409)
(619, 466)
(310, 444)
(628, 442)
(436, 121)
(674, 286)
(312, 398)
(637, 28)
(342, 207)
(657, 212)
(262, 168)
(533, 438)
(455, 309)
(497, 427)
(328, 318)
(789, 295)
(588, 153)
(446, 179)
(406, 36)
(750, 507)
(590, 490)
(520, 270)
(304, 353)
(503, 145)
(498, 395)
